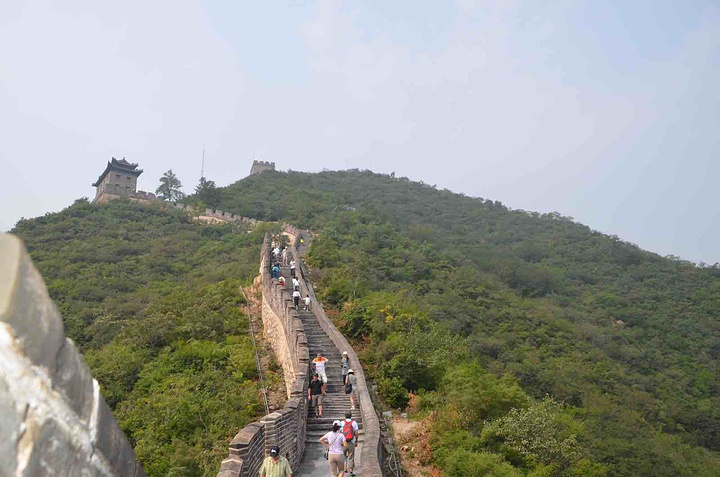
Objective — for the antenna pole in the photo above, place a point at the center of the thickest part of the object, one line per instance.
(202, 167)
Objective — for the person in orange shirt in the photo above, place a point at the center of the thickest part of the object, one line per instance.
(319, 364)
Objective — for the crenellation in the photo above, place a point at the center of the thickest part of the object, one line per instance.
(259, 167)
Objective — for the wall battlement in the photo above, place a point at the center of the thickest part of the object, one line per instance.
(53, 418)
(261, 166)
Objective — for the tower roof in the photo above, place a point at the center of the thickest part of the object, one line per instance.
(119, 166)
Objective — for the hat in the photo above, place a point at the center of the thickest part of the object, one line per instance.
(274, 451)
(337, 423)
(351, 371)
(345, 352)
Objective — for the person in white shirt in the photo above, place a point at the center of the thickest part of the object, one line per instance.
(292, 267)
(296, 299)
(296, 284)
(320, 362)
(335, 441)
(307, 303)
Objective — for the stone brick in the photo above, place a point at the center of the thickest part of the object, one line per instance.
(74, 380)
(109, 440)
(26, 306)
(231, 466)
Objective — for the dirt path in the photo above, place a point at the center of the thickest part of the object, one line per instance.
(411, 440)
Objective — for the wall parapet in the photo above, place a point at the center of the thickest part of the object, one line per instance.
(53, 418)
(286, 427)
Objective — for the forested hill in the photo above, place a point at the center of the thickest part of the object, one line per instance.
(151, 299)
(608, 353)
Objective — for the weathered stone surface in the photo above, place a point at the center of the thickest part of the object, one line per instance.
(53, 452)
(10, 420)
(26, 306)
(74, 380)
(231, 466)
(109, 439)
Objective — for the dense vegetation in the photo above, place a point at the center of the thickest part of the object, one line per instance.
(536, 345)
(151, 299)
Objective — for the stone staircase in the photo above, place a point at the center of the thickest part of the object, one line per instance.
(335, 402)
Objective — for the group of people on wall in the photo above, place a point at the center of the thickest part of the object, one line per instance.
(340, 442)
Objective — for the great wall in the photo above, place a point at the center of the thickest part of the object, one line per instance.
(55, 421)
(294, 335)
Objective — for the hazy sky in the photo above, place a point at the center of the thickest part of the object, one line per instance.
(605, 111)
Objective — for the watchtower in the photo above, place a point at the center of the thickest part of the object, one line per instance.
(118, 179)
(261, 166)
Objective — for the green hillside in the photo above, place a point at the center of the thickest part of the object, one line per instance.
(151, 299)
(537, 346)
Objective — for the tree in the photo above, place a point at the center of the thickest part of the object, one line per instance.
(169, 188)
(208, 193)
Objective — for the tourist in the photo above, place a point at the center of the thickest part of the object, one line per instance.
(275, 271)
(350, 381)
(345, 365)
(284, 256)
(292, 268)
(276, 254)
(296, 284)
(315, 395)
(319, 364)
(334, 441)
(307, 302)
(282, 281)
(275, 465)
(296, 299)
(350, 430)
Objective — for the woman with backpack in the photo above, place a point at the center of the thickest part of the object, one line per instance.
(334, 441)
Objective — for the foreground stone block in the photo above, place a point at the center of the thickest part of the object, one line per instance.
(74, 380)
(54, 452)
(53, 420)
(11, 417)
(109, 439)
(26, 306)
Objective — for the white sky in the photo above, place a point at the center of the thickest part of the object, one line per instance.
(605, 111)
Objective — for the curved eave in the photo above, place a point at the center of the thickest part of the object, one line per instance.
(114, 167)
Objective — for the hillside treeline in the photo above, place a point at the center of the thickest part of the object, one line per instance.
(535, 345)
(151, 299)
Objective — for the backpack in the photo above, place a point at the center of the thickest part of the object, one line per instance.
(348, 431)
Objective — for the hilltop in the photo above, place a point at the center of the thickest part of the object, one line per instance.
(466, 302)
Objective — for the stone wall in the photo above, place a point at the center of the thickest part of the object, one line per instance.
(285, 428)
(216, 214)
(53, 418)
(261, 166)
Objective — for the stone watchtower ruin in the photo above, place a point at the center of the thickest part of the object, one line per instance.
(119, 179)
(261, 166)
